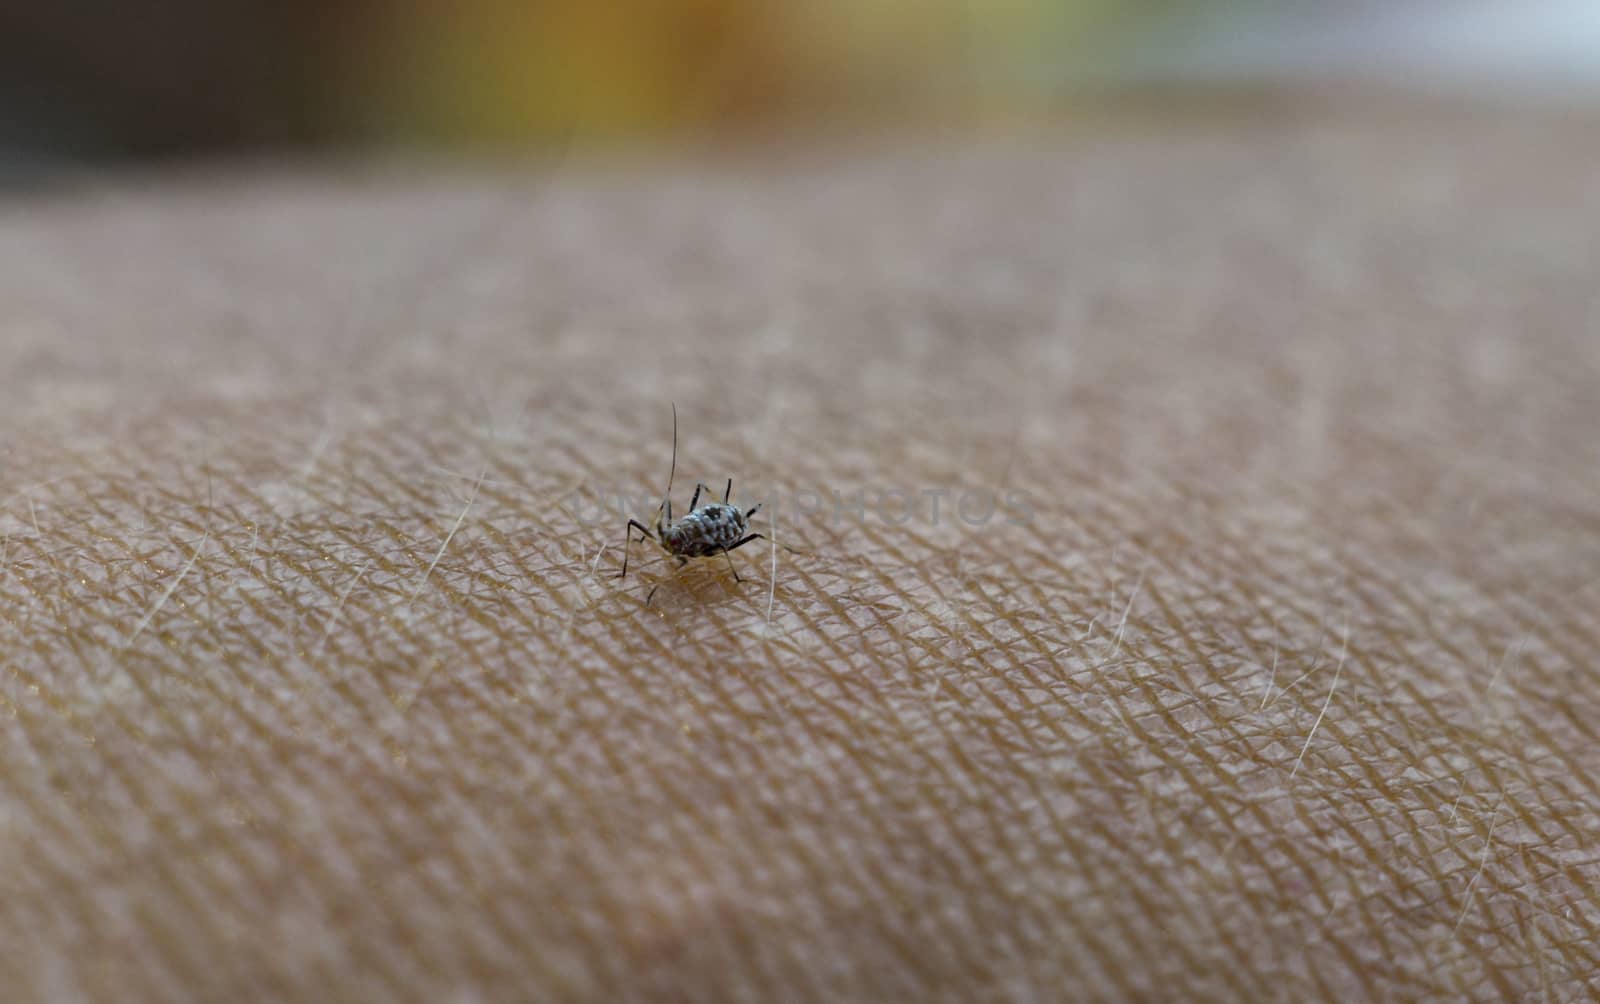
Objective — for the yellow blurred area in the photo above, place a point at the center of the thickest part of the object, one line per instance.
(497, 71)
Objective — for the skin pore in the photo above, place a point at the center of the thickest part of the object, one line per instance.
(1275, 680)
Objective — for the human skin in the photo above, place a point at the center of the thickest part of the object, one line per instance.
(1280, 684)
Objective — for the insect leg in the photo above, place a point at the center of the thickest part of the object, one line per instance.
(727, 491)
(742, 541)
(756, 536)
(759, 536)
(627, 548)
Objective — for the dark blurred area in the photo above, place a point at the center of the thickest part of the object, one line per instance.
(93, 83)
(92, 80)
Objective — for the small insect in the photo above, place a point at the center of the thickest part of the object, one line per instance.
(708, 530)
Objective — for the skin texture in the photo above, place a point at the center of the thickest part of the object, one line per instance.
(1279, 684)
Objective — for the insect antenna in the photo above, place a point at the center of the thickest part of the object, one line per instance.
(666, 500)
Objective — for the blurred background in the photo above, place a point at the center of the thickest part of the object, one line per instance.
(92, 83)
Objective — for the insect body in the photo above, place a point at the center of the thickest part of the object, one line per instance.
(712, 528)
(706, 531)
